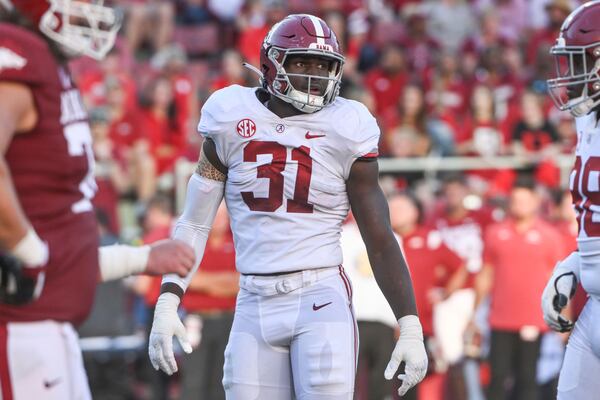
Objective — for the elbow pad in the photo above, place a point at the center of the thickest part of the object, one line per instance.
(202, 201)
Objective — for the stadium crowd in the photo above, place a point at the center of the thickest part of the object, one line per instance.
(444, 78)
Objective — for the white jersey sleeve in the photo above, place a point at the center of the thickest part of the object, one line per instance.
(212, 121)
(362, 135)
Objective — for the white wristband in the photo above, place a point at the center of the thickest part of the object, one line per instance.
(118, 261)
(31, 250)
(410, 326)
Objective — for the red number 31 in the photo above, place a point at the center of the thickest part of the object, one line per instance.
(273, 172)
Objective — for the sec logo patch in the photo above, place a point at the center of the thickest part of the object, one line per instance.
(246, 128)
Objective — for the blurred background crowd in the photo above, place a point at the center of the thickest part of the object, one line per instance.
(445, 79)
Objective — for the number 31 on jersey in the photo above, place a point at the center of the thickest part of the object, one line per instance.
(273, 171)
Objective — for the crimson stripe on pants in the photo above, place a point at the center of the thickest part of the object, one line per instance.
(5, 385)
(348, 285)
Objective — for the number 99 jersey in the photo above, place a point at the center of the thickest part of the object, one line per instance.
(286, 183)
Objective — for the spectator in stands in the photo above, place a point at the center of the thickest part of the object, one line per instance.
(519, 255)
(446, 90)
(421, 49)
(149, 22)
(162, 125)
(112, 179)
(567, 134)
(232, 71)
(253, 25)
(562, 215)
(387, 80)
(226, 12)
(375, 319)
(409, 134)
(488, 35)
(538, 45)
(506, 83)
(436, 272)
(536, 138)
(210, 302)
(130, 146)
(193, 12)
(362, 54)
(450, 22)
(107, 364)
(512, 16)
(112, 68)
(534, 135)
(171, 62)
(157, 224)
(462, 223)
(481, 134)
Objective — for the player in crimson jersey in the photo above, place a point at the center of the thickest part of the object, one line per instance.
(51, 261)
(577, 90)
(291, 158)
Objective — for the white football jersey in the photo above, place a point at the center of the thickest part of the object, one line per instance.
(286, 184)
(584, 183)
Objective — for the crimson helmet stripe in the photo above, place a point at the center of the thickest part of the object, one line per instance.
(318, 29)
(300, 34)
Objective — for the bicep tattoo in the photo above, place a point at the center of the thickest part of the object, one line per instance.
(207, 170)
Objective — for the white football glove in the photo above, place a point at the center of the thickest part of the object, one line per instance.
(559, 291)
(166, 324)
(410, 349)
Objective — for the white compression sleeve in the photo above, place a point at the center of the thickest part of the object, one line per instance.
(118, 261)
(201, 203)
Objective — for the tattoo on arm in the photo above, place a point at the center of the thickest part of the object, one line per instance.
(207, 170)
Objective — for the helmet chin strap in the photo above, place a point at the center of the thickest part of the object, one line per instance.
(298, 99)
(584, 104)
(579, 106)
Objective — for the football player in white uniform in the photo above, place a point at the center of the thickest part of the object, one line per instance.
(577, 89)
(291, 159)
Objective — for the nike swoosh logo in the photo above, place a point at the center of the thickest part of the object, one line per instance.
(309, 136)
(316, 307)
(50, 384)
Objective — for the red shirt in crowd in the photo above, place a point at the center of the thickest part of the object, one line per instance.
(522, 263)
(250, 40)
(464, 236)
(431, 264)
(386, 90)
(216, 259)
(124, 133)
(93, 88)
(162, 133)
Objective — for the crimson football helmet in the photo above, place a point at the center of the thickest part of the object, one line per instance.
(300, 34)
(576, 87)
(79, 27)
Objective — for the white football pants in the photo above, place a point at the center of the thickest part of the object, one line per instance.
(580, 373)
(41, 360)
(293, 337)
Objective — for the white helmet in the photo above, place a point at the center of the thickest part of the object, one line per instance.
(79, 27)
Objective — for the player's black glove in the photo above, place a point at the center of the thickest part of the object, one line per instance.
(18, 284)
